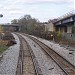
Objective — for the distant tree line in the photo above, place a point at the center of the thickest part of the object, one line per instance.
(29, 25)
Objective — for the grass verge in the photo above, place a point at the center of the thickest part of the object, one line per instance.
(2, 48)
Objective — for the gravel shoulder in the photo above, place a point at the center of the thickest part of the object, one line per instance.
(8, 64)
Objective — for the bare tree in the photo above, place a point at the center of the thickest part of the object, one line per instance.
(15, 21)
(27, 23)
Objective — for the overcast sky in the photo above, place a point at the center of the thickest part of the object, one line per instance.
(40, 9)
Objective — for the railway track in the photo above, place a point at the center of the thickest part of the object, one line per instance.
(66, 66)
(27, 63)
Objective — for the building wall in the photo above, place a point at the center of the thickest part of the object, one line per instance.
(62, 29)
(50, 27)
(69, 36)
(69, 29)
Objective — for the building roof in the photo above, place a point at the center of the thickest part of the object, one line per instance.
(10, 24)
(70, 14)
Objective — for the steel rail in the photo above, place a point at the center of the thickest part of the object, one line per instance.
(20, 59)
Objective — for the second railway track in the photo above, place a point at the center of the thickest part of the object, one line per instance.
(66, 66)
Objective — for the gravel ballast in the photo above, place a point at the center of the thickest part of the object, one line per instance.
(67, 52)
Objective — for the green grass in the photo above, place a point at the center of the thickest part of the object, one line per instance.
(2, 48)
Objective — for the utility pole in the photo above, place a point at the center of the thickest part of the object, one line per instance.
(0, 25)
(1, 29)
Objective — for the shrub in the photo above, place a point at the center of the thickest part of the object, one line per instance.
(59, 35)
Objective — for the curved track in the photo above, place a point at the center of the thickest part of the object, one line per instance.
(67, 67)
(27, 64)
